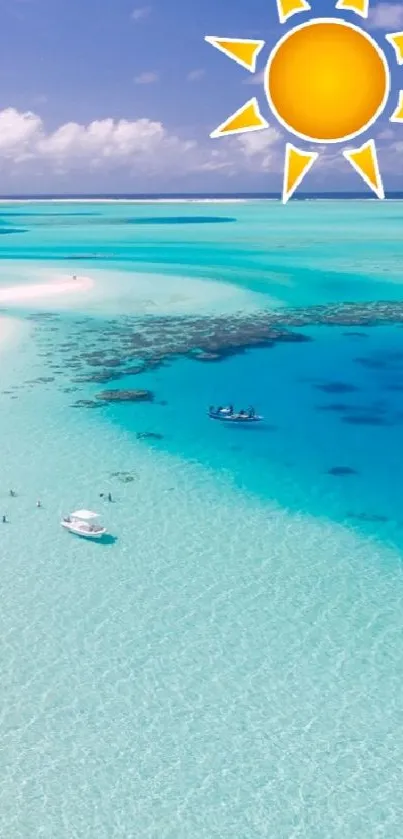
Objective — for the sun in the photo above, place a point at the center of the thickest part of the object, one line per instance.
(318, 63)
(326, 81)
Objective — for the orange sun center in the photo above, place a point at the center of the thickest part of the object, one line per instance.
(327, 81)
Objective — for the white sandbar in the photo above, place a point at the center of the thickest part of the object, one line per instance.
(62, 285)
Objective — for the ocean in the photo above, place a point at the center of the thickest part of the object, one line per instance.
(228, 663)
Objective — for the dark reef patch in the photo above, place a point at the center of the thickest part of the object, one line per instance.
(130, 345)
(39, 316)
(125, 396)
(82, 256)
(87, 403)
(97, 360)
(105, 376)
(366, 419)
(284, 336)
(7, 231)
(372, 363)
(334, 406)
(370, 517)
(397, 388)
(208, 356)
(124, 477)
(46, 215)
(342, 471)
(337, 387)
(44, 380)
(357, 410)
(172, 220)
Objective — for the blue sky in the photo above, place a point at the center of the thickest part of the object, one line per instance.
(121, 96)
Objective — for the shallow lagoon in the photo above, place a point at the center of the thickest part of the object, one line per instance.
(231, 664)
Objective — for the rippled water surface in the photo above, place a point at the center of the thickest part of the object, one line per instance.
(229, 663)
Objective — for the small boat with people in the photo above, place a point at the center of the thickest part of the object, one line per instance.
(83, 523)
(227, 414)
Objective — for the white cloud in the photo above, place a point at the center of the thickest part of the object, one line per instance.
(140, 13)
(141, 146)
(147, 78)
(18, 134)
(107, 143)
(147, 149)
(386, 134)
(263, 150)
(396, 147)
(330, 162)
(255, 78)
(391, 158)
(386, 16)
(195, 75)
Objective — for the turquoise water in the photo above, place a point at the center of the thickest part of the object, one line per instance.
(230, 665)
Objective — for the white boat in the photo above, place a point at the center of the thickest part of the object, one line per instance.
(82, 523)
(225, 415)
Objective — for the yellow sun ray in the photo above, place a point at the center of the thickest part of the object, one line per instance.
(242, 50)
(297, 165)
(364, 160)
(288, 8)
(397, 43)
(246, 118)
(397, 115)
(360, 7)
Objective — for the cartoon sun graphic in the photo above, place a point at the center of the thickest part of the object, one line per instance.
(326, 81)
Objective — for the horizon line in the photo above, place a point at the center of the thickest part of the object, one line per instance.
(178, 195)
